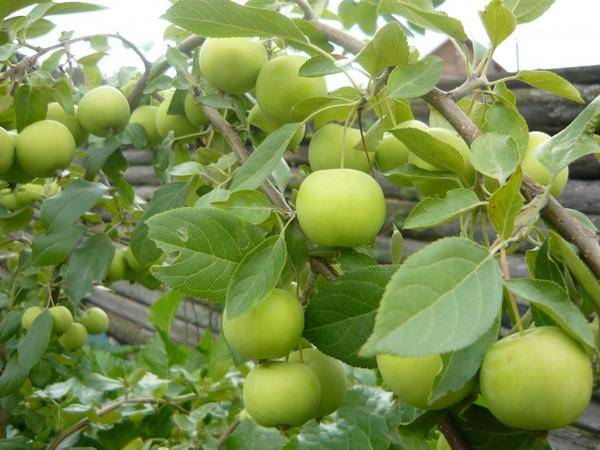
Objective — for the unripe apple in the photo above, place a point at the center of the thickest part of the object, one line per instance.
(104, 110)
(178, 124)
(279, 87)
(128, 87)
(146, 117)
(32, 192)
(118, 266)
(282, 393)
(45, 146)
(536, 170)
(270, 329)
(56, 112)
(62, 318)
(442, 444)
(9, 200)
(95, 320)
(539, 380)
(340, 207)
(29, 315)
(411, 379)
(232, 64)
(194, 112)
(263, 126)
(328, 143)
(74, 338)
(7, 151)
(331, 375)
(391, 153)
(132, 261)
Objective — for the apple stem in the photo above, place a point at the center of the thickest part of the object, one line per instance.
(513, 302)
(300, 352)
(362, 138)
(230, 429)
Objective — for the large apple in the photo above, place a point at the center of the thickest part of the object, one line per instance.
(279, 87)
(61, 317)
(536, 170)
(45, 146)
(194, 112)
(328, 143)
(261, 126)
(411, 379)
(74, 338)
(177, 123)
(145, 116)
(7, 151)
(95, 320)
(282, 393)
(340, 207)
(539, 380)
(103, 110)
(331, 375)
(268, 330)
(56, 112)
(391, 153)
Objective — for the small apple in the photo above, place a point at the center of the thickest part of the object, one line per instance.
(103, 111)
(62, 318)
(268, 330)
(146, 117)
(118, 266)
(340, 207)
(45, 146)
(56, 112)
(177, 123)
(194, 112)
(331, 375)
(232, 64)
(74, 338)
(391, 153)
(133, 263)
(7, 151)
(263, 126)
(536, 170)
(539, 380)
(411, 379)
(95, 320)
(29, 316)
(282, 393)
(279, 87)
(328, 142)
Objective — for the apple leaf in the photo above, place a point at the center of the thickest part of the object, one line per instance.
(442, 298)
(54, 247)
(162, 312)
(73, 8)
(319, 66)
(409, 174)
(505, 120)
(499, 21)
(253, 206)
(505, 205)
(434, 211)
(415, 79)
(551, 82)
(250, 435)
(329, 436)
(528, 10)
(389, 47)
(495, 155)
(30, 104)
(396, 246)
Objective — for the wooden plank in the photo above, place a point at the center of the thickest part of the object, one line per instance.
(571, 438)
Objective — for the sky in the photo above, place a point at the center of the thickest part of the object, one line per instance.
(567, 35)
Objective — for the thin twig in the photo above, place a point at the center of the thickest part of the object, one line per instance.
(228, 432)
(306, 9)
(323, 267)
(452, 435)
(511, 297)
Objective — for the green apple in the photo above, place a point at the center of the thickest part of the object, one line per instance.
(62, 318)
(340, 207)
(232, 64)
(331, 375)
(270, 329)
(7, 151)
(279, 87)
(177, 123)
(29, 315)
(44, 147)
(261, 126)
(328, 143)
(146, 117)
(194, 112)
(56, 112)
(133, 263)
(536, 170)
(391, 153)
(118, 266)
(95, 320)
(103, 111)
(442, 444)
(411, 379)
(539, 380)
(282, 393)
(128, 87)
(74, 338)
(9, 200)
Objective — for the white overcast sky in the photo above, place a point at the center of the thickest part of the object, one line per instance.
(567, 35)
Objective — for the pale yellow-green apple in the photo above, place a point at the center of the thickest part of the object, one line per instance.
(262, 126)
(118, 266)
(103, 110)
(56, 112)
(331, 375)
(536, 170)
(232, 64)
(61, 317)
(7, 151)
(340, 207)
(539, 380)
(193, 111)
(270, 329)
(132, 261)
(391, 153)
(279, 87)
(282, 393)
(328, 143)
(411, 379)
(95, 320)
(74, 338)
(27, 194)
(44, 147)
(145, 116)
(29, 315)
(442, 444)
(177, 123)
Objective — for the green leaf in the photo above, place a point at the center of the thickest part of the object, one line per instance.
(528, 10)
(421, 314)
(256, 276)
(33, 345)
(54, 247)
(30, 104)
(432, 212)
(414, 175)
(499, 21)
(210, 244)
(251, 436)
(179, 61)
(73, 8)
(12, 378)
(504, 120)
(97, 154)
(7, 50)
(51, 63)
(388, 48)
(88, 263)
(551, 82)
(10, 325)
(319, 66)
(339, 435)
(163, 311)
(505, 205)
(415, 79)
(340, 316)
(253, 206)
(264, 159)
(554, 301)
(224, 18)
(495, 155)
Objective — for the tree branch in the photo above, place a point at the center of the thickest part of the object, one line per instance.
(306, 9)
(323, 267)
(467, 88)
(452, 435)
(228, 432)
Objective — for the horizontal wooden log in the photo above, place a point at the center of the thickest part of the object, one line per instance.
(572, 438)
(138, 157)
(142, 176)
